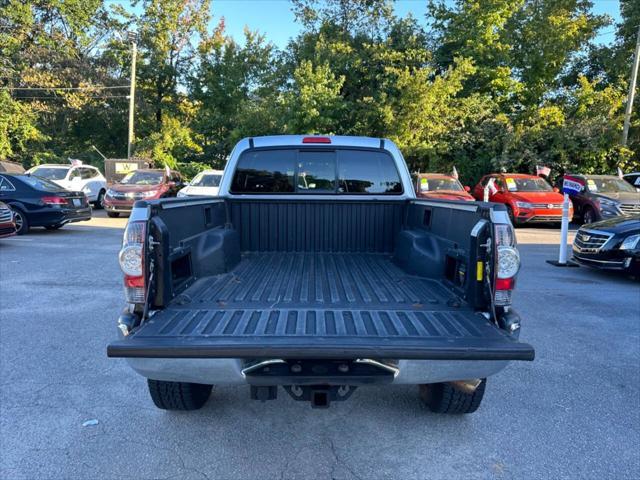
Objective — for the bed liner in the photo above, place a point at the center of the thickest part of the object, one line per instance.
(319, 305)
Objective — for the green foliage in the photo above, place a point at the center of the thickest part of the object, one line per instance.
(191, 169)
(481, 85)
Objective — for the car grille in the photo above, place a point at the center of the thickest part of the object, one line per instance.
(590, 241)
(5, 215)
(630, 208)
(547, 205)
(127, 196)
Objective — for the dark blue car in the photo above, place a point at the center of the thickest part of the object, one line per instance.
(37, 202)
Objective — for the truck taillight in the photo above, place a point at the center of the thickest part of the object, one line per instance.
(507, 264)
(131, 260)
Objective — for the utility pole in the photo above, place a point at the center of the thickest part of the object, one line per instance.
(632, 91)
(132, 93)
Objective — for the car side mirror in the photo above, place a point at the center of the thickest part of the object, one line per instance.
(467, 188)
(556, 189)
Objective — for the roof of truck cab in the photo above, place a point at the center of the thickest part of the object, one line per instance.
(336, 140)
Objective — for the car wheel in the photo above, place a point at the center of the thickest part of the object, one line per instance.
(445, 398)
(54, 227)
(588, 216)
(22, 223)
(512, 217)
(178, 395)
(99, 204)
(113, 214)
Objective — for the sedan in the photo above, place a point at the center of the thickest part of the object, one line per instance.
(612, 244)
(7, 222)
(37, 202)
(206, 184)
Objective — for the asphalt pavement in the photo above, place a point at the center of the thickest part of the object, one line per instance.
(67, 411)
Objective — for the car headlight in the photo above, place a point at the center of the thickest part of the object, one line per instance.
(604, 203)
(630, 243)
(524, 205)
(151, 193)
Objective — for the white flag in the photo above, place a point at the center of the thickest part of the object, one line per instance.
(491, 186)
(454, 174)
(620, 174)
(167, 170)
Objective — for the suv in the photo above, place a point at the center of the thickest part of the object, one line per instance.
(604, 196)
(83, 178)
(528, 198)
(633, 179)
(141, 184)
(441, 186)
(317, 270)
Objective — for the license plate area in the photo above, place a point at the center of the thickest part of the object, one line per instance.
(314, 372)
(77, 202)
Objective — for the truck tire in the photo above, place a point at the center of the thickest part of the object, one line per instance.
(178, 395)
(444, 398)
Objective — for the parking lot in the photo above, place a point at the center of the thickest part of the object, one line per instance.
(572, 413)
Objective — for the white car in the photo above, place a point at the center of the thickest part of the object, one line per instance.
(206, 183)
(77, 178)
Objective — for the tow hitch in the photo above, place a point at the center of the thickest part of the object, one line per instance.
(319, 382)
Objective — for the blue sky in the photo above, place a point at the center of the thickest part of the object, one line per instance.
(275, 19)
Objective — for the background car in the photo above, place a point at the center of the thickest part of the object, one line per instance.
(7, 222)
(528, 198)
(37, 202)
(148, 184)
(604, 196)
(633, 179)
(206, 183)
(441, 186)
(612, 244)
(83, 178)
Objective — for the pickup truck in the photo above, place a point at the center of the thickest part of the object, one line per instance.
(317, 270)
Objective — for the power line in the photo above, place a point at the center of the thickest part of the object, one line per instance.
(94, 87)
(63, 98)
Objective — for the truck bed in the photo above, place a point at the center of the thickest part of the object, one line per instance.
(312, 305)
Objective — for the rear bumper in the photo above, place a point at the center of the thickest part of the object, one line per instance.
(46, 217)
(228, 371)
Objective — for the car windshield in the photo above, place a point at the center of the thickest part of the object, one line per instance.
(140, 177)
(40, 183)
(206, 180)
(608, 185)
(51, 173)
(436, 184)
(527, 184)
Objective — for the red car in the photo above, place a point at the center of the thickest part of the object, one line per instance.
(7, 221)
(529, 199)
(143, 184)
(442, 187)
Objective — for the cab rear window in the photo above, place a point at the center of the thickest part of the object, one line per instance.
(340, 171)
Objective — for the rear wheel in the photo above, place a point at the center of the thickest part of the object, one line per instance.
(22, 223)
(178, 395)
(445, 398)
(113, 214)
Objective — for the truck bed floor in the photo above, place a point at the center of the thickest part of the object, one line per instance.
(319, 305)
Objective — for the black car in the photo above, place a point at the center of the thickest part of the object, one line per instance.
(612, 244)
(37, 202)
